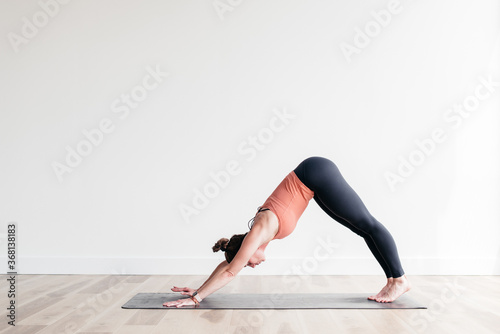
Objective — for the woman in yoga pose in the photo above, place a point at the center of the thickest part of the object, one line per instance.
(317, 178)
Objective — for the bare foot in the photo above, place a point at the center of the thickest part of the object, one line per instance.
(383, 291)
(399, 286)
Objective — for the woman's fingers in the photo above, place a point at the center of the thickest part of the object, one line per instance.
(177, 303)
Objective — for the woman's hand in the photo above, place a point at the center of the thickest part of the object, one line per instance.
(180, 302)
(184, 291)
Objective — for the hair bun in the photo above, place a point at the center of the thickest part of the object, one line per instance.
(221, 245)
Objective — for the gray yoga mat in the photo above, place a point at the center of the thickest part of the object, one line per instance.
(273, 301)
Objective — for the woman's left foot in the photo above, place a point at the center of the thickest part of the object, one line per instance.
(399, 286)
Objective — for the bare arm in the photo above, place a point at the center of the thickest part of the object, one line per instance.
(254, 239)
(216, 271)
(189, 291)
(225, 272)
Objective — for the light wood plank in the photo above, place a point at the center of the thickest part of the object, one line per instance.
(54, 305)
(179, 321)
(89, 305)
(104, 284)
(36, 288)
(114, 317)
(352, 321)
(316, 321)
(133, 329)
(92, 304)
(387, 322)
(24, 329)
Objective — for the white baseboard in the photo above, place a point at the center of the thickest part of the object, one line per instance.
(272, 266)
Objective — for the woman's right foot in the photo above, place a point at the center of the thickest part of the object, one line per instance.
(399, 286)
(383, 291)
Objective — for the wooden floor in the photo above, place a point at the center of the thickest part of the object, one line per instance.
(92, 304)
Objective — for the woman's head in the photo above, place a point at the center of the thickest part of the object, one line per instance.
(231, 246)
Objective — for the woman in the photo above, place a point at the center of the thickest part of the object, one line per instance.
(317, 178)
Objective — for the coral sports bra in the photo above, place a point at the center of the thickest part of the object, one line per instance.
(288, 201)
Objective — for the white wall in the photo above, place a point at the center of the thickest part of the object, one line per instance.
(223, 74)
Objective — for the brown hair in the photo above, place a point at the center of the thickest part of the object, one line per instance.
(229, 247)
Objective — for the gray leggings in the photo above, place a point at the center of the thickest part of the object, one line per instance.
(339, 201)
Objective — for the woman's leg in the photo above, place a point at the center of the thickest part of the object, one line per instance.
(339, 201)
(369, 241)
